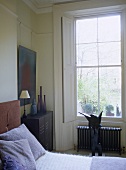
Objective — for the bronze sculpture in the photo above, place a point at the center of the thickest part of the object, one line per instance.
(94, 125)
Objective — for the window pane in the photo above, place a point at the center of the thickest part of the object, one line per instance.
(83, 32)
(110, 90)
(87, 55)
(109, 53)
(87, 86)
(109, 28)
(98, 56)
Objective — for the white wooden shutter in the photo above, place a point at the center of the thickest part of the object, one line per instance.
(68, 69)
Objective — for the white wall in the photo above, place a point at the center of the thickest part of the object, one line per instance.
(8, 55)
(16, 28)
(45, 58)
(31, 31)
(35, 32)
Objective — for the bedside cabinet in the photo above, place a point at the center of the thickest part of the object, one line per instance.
(41, 126)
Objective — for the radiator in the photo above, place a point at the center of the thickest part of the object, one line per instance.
(109, 137)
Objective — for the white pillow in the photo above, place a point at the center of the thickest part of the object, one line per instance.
(18, 151)
(22, 132)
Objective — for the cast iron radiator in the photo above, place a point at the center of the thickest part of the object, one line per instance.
(109, 137)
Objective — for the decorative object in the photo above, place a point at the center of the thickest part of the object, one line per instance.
(27, 73)
(109, 108)
(117, 110)
(44, 105)
(38, 105)
(94, 125)
(33, 108)
(41, 106)
(41, 101)
(24, 95)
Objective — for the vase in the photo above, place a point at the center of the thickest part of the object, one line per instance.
(38, 105)
(44, 104)
(41, 101)
(33, 107)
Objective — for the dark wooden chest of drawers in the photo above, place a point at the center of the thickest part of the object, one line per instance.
(41, 126)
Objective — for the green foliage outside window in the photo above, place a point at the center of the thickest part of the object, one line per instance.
(88, 97)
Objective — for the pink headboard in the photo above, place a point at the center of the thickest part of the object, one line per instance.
(9, 115)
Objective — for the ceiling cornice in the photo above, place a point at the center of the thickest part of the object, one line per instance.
(37, 8)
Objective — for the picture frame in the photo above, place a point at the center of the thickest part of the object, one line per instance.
(26, 73)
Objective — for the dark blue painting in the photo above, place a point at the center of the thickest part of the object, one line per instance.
(27, 73)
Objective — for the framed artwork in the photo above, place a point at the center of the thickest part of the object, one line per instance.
(26, 73)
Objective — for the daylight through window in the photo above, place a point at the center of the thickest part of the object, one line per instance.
(98, 58)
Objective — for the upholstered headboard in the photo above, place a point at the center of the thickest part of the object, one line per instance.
(9, 115)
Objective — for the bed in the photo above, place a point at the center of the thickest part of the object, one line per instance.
(20, 150)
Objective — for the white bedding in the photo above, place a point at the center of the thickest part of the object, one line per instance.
(58, 161)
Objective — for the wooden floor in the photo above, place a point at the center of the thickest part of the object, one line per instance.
(88, 153)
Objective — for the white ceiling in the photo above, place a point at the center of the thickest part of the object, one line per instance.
(51, 1)
(40, 3)
(42, 6)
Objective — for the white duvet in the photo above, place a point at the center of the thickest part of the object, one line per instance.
(58, 161)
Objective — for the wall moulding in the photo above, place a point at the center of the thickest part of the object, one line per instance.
(8, 10)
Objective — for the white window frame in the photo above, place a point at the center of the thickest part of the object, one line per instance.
(93, 13)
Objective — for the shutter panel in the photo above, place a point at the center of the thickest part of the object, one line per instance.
(68, 69)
